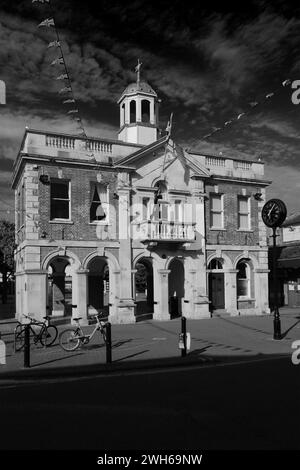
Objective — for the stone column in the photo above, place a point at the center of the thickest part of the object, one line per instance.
(127, 111)
(189, 292)
(152, 112)
(261, 287)
(114, 296)
(58, 294)
(201, 302)
(161, 289)
(230, 291)
(138, 104)
(20, 290)
(126, 306)
(35, 293)
(80, 295)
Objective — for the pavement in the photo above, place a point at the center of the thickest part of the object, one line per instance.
(155, 344)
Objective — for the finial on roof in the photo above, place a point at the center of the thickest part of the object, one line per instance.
(137, 70)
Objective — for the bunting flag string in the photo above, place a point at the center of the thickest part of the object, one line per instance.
(67, 89)
(252, 105)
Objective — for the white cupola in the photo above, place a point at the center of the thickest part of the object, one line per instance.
(138, 113)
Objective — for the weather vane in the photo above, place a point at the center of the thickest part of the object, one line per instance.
(137, 70)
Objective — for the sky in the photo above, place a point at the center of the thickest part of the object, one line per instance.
(206, 63)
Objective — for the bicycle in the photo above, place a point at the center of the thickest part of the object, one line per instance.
(70, 339)
(40, 331)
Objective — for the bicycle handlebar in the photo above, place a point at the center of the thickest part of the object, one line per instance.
(32, 320)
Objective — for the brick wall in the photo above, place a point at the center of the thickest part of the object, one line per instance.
(231, 235)
(80, 228)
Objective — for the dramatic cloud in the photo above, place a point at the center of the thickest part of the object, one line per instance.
(207, 66)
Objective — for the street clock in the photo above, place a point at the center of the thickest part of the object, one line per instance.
(274, 213)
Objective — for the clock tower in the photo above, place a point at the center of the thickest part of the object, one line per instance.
(138, 112)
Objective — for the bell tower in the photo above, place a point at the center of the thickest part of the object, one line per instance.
(138, 112)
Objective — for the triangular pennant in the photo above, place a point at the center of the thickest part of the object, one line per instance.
(71, 100)
(64, 76)
(54, 44)
(66, 89)
(57, 61)
(49, 22)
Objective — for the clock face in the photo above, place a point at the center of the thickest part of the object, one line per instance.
(274, 213)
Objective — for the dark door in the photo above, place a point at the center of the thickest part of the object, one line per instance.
(216, 290)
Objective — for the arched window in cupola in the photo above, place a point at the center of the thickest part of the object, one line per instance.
(145, 111)
(123, 114)
(132, 109)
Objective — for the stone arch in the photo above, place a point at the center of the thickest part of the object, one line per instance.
(172, 258)
(227, 260)
(61, 266)
(114, 273)
(146, 254)
(113, 262)
(76, 263)
(246, 256)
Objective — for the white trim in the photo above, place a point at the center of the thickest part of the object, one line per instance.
(60, 181)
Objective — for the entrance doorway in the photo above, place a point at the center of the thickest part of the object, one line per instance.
(60, 287)
(176, 288)
(98, 286)
(144, 289)
(216, 285)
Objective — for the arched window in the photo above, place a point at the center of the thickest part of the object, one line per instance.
(132, 109)
(145, 111)
(216, 263)
(161, 203)
(123, 114)
(243, 278)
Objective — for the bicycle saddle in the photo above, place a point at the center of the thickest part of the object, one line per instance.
(76, 319)
(47, 317)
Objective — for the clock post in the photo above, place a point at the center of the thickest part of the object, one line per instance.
(276, 320)
(274, 214)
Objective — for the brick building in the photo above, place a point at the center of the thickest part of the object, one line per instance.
(138, 225)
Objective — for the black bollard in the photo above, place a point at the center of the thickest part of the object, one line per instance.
(183, 332)
(27, 346)
(108, 343)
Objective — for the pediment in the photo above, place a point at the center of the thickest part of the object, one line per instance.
(164, 157)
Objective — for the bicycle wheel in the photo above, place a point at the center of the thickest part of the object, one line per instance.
(49, 335)
(68, 339)
(18, 328)
(20, 340)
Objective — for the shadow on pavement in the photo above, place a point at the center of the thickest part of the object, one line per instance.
(55, 360)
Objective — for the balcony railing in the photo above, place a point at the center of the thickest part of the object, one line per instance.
(64, 142)
(155, 230)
